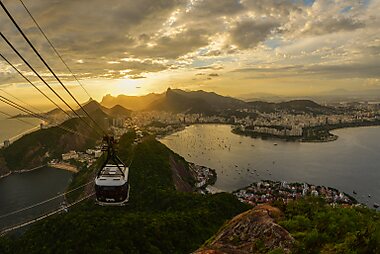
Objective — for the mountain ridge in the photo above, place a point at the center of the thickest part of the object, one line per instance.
(181, 101)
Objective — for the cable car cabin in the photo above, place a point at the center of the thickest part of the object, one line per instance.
(111, 185)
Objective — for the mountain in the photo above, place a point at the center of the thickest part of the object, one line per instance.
(134, 103)
(331, 96)
(217, 101)
(94, 107)
(261, 97)
(176, 100)
(39, 147)
(344, 95)
(293, 106)
(179, 102)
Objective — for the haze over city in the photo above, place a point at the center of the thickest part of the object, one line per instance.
(237, 48)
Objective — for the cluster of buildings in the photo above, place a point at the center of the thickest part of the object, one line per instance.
(270, 191)
(284, 131)
(204, 176)
(285, 124)
(163, 123)
(146, 118)
(88, 157)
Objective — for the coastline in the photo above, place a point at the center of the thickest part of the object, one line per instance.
(64, 166)
(69, 168)
(21, 171)
(272, 191)
(330, 138)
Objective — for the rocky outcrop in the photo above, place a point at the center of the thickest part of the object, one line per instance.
(254, 231)
(181, 175)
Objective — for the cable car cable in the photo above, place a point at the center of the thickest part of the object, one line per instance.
(23, 102)
(30, 82)
(43, 80)
(36, 116)
(13, 117)
(19, 107)
(44, 202)
(55, 50)
(46, 64)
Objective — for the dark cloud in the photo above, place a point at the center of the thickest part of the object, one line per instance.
(269, 69)
(172, 47)
(97, 32)
(210, 67)
(248, 33)
(207, 8)
(213, 75)
(370, 69)
(137, 77)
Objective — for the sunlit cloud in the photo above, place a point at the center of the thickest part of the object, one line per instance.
(207, 44)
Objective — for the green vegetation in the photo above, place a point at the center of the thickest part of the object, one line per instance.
(37, 148)
(320, 228)
(158, 219)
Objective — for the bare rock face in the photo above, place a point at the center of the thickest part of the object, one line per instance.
(254, 231)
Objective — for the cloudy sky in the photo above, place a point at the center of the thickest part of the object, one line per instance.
(233, 47)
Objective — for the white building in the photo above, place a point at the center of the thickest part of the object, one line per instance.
(98, 153)
(70, 155)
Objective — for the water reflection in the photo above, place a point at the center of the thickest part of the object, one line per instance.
(350, 163)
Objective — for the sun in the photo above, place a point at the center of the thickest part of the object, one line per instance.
(129, 86)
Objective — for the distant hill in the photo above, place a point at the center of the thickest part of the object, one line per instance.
(134, 103)
(39, 147)
(218, 102)
(94, 109)
(293, 106)
(116, 111)
(180, 101)
(176, 100)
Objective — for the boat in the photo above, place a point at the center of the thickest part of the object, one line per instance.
(275, 144)
(354, 192)
(376, 205)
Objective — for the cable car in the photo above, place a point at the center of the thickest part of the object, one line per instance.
(111, 183)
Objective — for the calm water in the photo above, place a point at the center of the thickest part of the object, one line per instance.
(13, 128)
(350, 163)
(21, 190)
